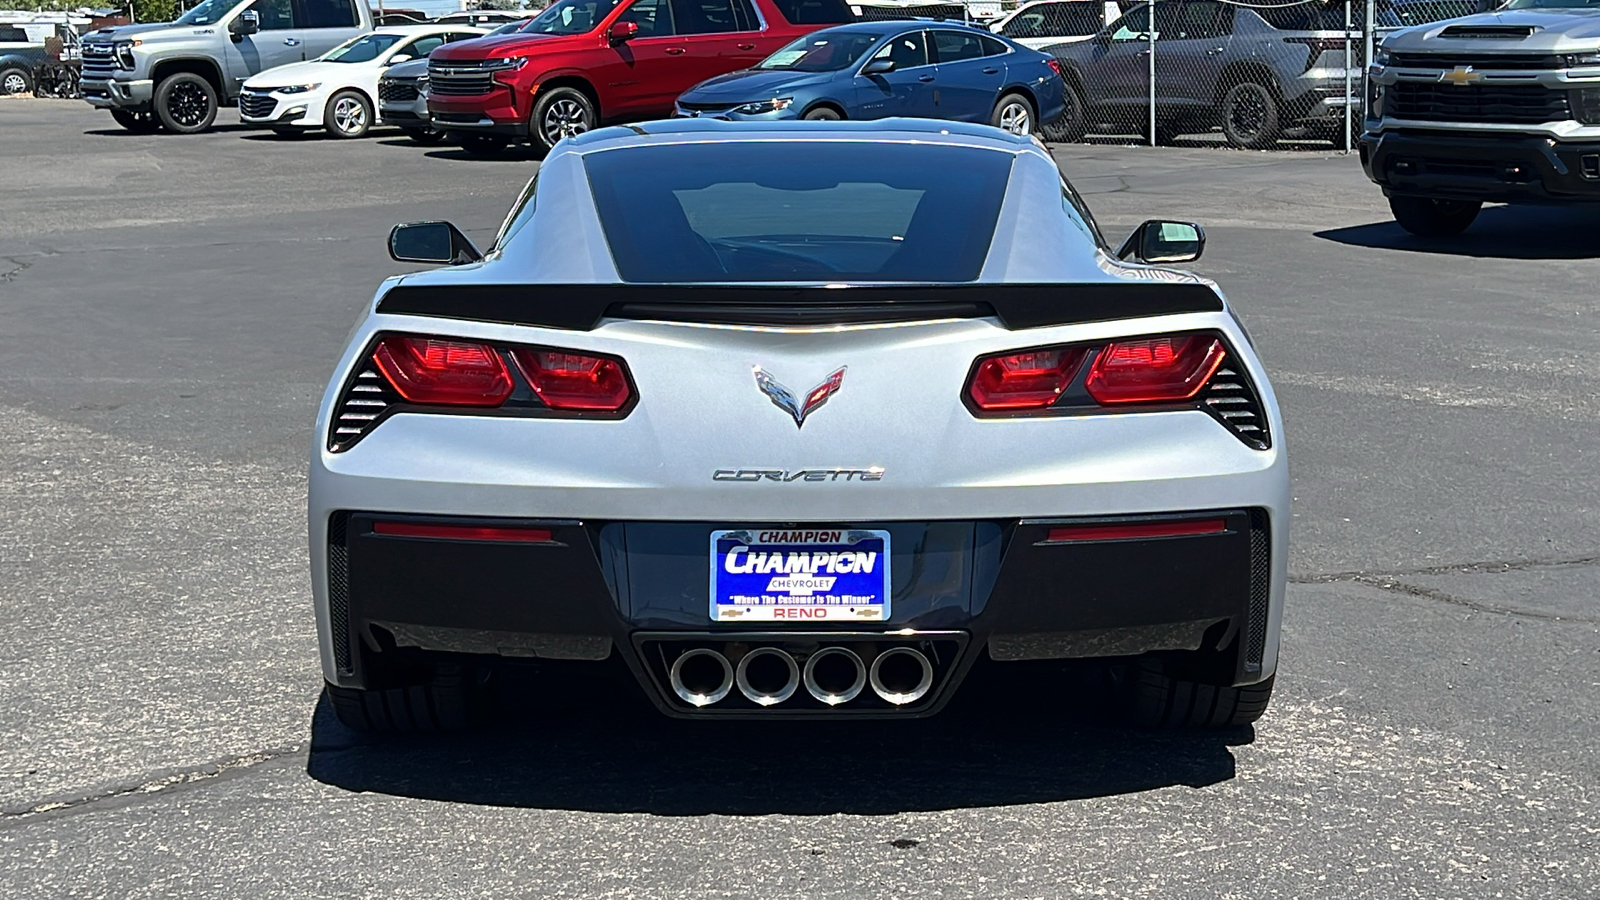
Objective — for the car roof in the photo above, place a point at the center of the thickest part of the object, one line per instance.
(878, 26)
(429, 28)
(933, 131)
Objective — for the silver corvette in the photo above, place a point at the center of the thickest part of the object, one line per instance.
(798, 420)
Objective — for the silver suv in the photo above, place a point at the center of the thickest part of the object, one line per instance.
(175, 75)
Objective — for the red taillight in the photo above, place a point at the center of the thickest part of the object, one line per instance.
(1032, 379)
(1055, 64)
(575, 381)
(1163, 369)
(511, 533)
(438, 372)
(1318, 47)
(1121, 531)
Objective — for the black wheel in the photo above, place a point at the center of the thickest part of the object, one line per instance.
(449, 701)
(561, 112)
(1164, 700)
(1250, 116)
(822, 114)
(1426, 217)
(16, 80)
(186, 103)
(138, 123)
(424, 135)
(484, 144)
(1074, 121)
(348, 115)
(1014, 114)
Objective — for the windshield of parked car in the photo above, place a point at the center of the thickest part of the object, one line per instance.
(798, 211)
(206, 13)
(508, 27)
(570, 17)
(821, 52)
(366, 48)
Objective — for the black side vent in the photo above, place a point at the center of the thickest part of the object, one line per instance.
(1487, 32)
(1255, 644)
(1232, 399)
(362, 405)
(339, 591)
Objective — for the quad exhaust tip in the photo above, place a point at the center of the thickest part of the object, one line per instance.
(767, 676)
(835, 675)
(701, 677)
(901, 675)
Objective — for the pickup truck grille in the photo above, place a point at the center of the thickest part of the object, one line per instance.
(1490, 104)
(459, 81)
(257, 106)
(1478, 62)
(396, 91)
(99, 63)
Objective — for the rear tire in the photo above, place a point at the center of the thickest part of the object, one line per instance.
(446, 702)
(484, 144)
(16, 80)
(822, 114)
(1426, 217)
(186, 103)
(1162, 700)
(1250, 119)
(138, 123)
(424, 135)
(1014, 115)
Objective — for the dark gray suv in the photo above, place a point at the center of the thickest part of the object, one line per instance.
(1254, 72)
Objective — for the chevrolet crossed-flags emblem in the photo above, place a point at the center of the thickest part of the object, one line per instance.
(1461, 76)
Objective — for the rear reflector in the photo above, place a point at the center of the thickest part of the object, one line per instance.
(1032, 379)
(1155, 370)
(1066, 534)
(509, 533)
(575, 381)
(438, 372)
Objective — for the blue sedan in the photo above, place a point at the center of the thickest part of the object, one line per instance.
(872, 70)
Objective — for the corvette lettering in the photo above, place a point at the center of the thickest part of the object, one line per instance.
(872, 473)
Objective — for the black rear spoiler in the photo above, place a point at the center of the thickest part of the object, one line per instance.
(580, 307)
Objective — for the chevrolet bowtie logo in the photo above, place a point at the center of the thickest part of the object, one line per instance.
(1461, 76)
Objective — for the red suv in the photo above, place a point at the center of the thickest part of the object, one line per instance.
(583, 62)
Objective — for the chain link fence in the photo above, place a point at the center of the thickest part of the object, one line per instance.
(1250, 75)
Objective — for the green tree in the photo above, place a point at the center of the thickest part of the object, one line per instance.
(155, 10)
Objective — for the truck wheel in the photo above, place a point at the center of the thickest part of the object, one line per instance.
(138, 123)
(424, 135)
(186, 103)
(1250, 116)
(16, 80)
(1426, 217)
(347, 115)
(445, 702)
(562, 112)
(484, 144)
(1074, 121)
(1161, 700)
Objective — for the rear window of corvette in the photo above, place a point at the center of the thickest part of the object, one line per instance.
(798, 211)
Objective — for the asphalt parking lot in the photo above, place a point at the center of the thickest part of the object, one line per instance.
(171, 307)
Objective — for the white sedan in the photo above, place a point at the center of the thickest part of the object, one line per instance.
(338, 91)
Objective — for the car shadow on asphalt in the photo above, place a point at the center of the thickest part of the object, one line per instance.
(1030, 734)
(1499, 232)
(523, 153)
(123, 132)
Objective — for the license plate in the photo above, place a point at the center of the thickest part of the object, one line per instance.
(800, 575)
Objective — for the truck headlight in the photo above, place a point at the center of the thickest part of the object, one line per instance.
(504, 65)
(1380, 58)
(763, 106)
(1584, 59)
(124, 52)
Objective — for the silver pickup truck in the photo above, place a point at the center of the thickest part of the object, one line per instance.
(1500, 107)
(175, 75)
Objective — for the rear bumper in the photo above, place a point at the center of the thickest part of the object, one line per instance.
(633, 587)
(1499, 169)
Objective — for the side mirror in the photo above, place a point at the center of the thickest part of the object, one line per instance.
(248, 23)
(622, 32)
(1160, 241)
(432, 242)
(878, 67)
(398, 58)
